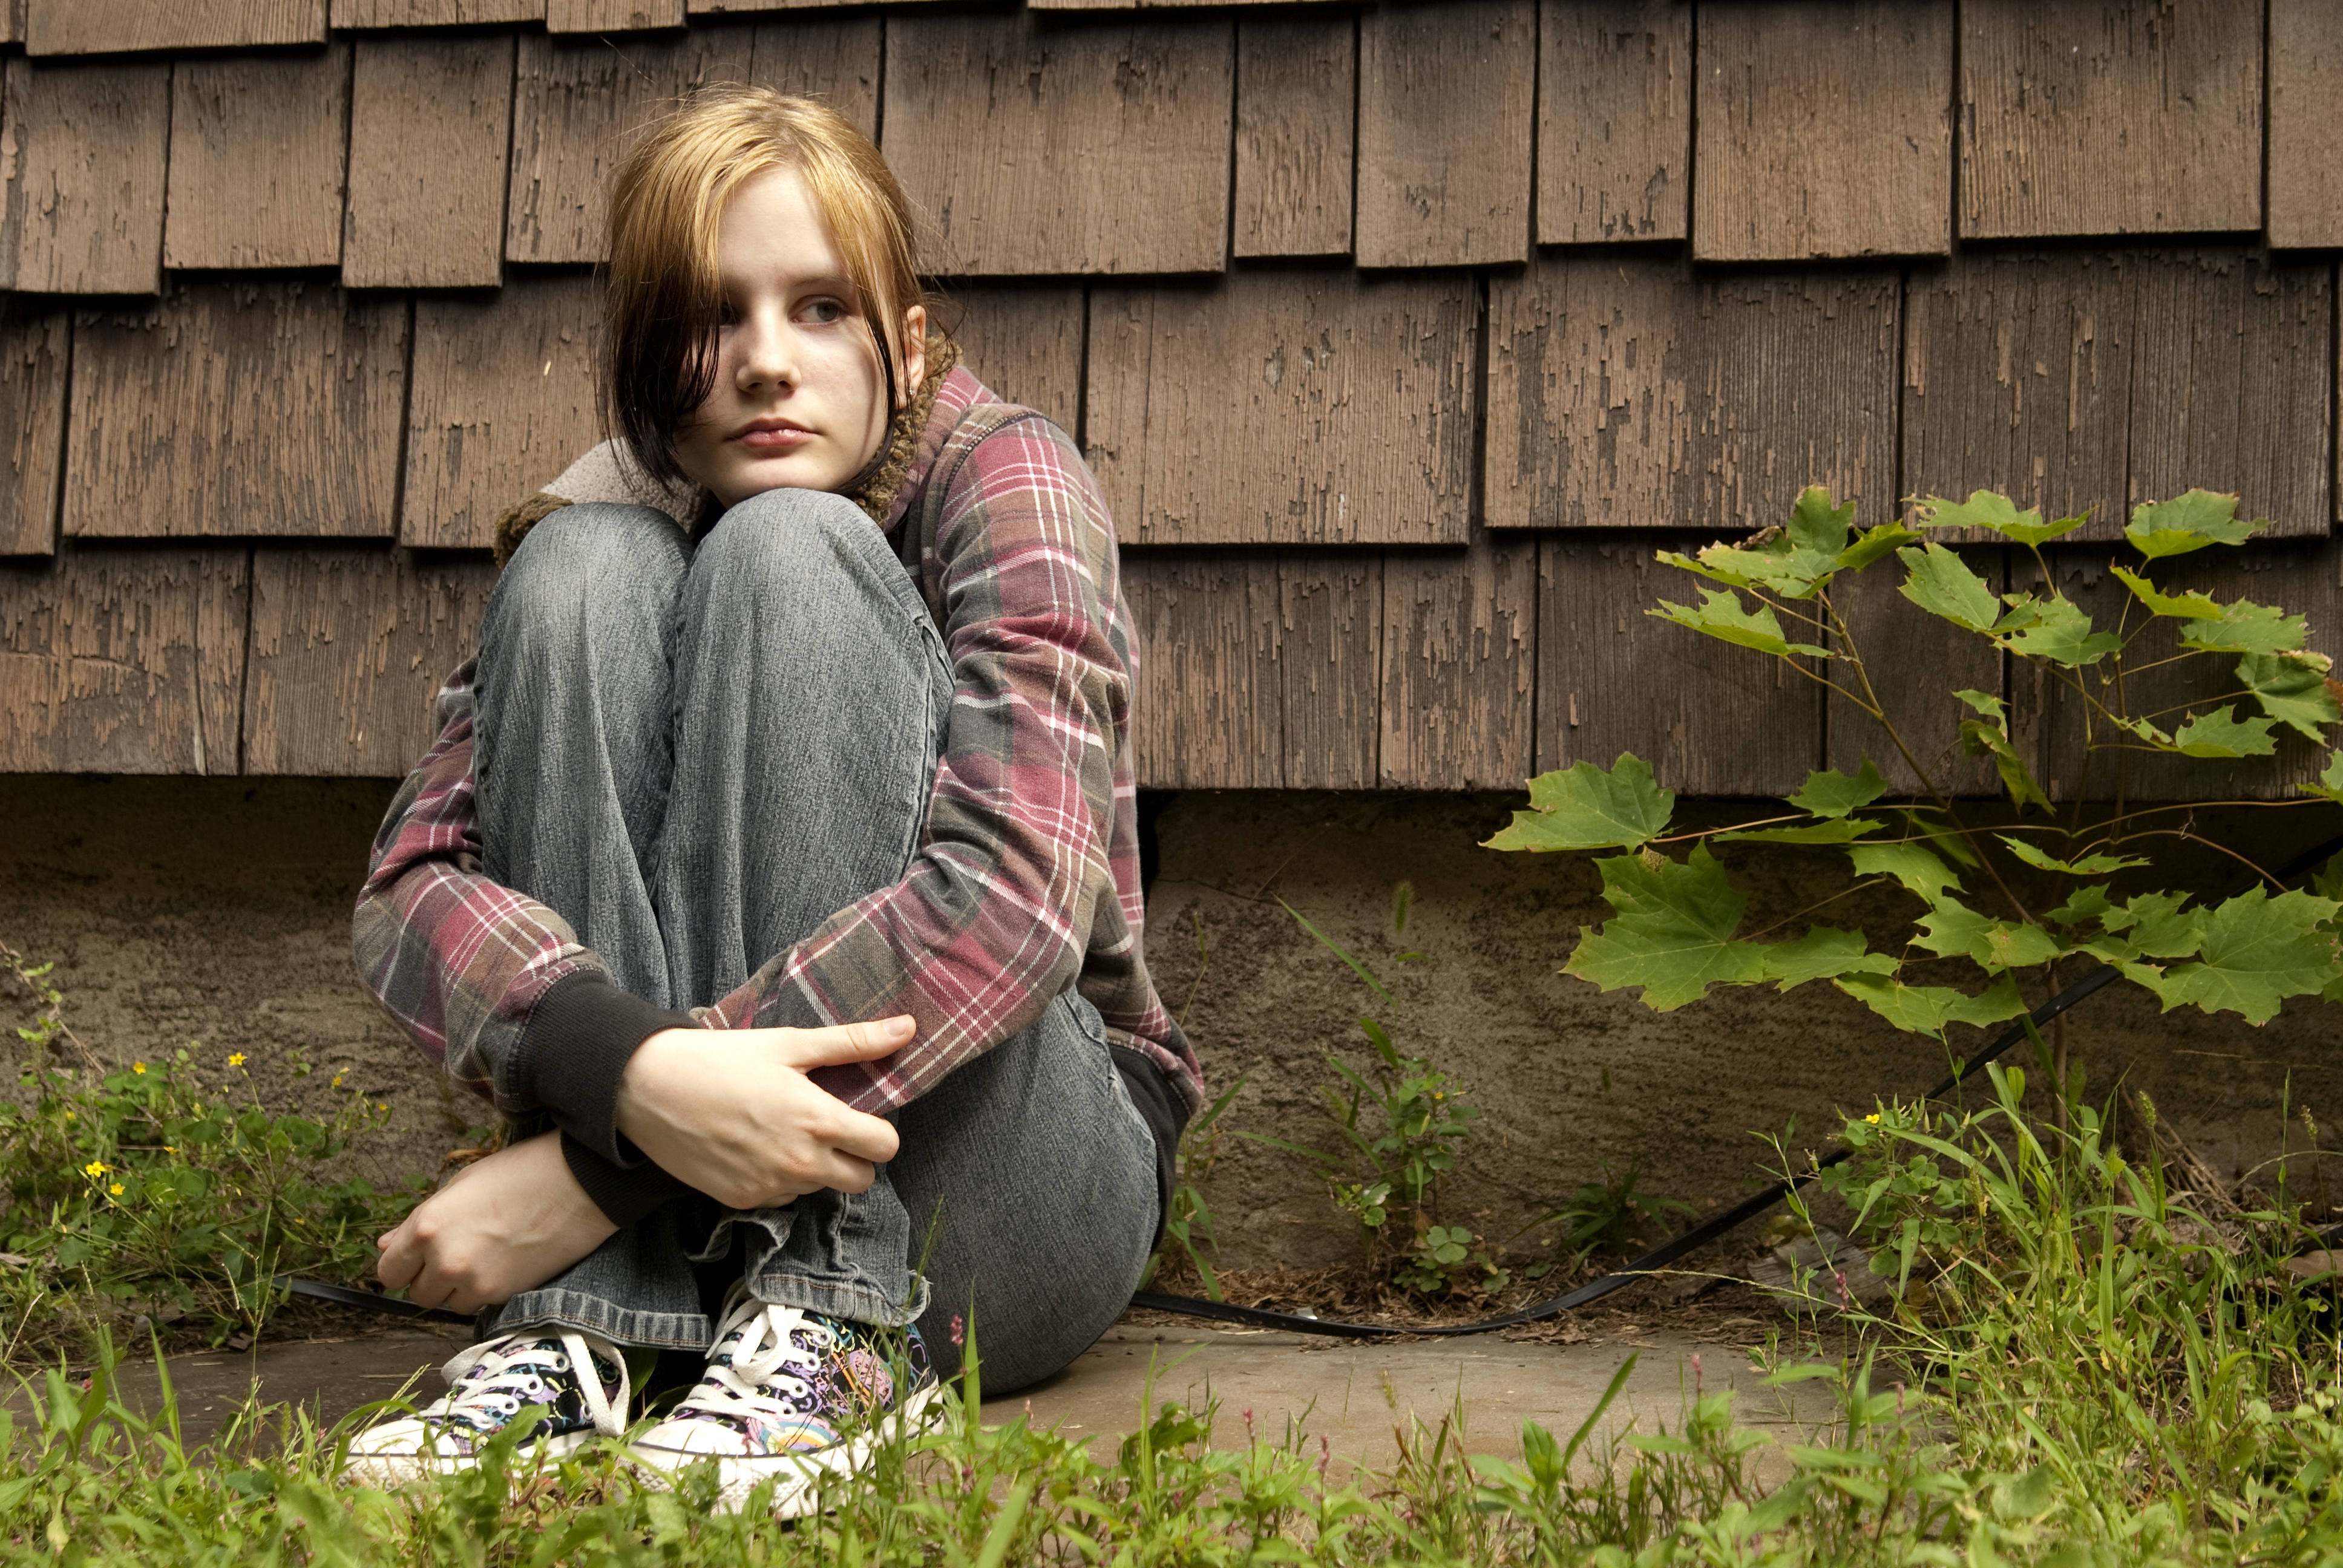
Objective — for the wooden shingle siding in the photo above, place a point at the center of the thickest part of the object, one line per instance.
(429, 120)
(2017, 376)
(433, 13)
(1285, 408)
(2109, 116)
(2229, 388)
(1094, 146)
(1628, 393)
(1208, 711)
(1026, 343)
(122, 660)
(1297, 91)
(2302, 576)
(1709, 718)
(34, 353)
(348, 647)
(1823, 129)
(1615, 120)
(236, 411)
(256, 160)
(611, 16)
(1460, 665)
(12, 20)
(1445, 106)
(1329, 667)
(84, 177)
(503, 400)
(1914, 663)
(2306, 134)
(118, 27)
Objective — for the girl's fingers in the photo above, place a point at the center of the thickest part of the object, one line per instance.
(803, 1048)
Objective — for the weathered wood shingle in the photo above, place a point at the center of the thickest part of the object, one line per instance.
(1207, 711)
(1025, 342)
(238, 411)
(256, 154)
(433, 13)
(1093, 147)
(1615, 120)
(35, 344)
(1460, 665)
(429, 121)
(2305, 135)
(1445, 126)
(1825, 129)
(119, 26)
(612, 16)
(1285, 408)
(84, 177)
(1297, 90)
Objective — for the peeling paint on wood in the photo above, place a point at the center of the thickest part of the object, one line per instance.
(1445, 125)
(238, 411)
(1026, 343)
(1460, 665)
(1615, 120)
(2306, 137)
(348, 647)
(429, 120)
(503, 401)
(1208, 713)
(1285, 408)
(612, 16)
(433, 13)
(256, 150)
(1097, 148)
(120, 26)
(1329, 667)
(1825, 129)
(82, 151)
(1297, 87)
(1628, 393)
(34, 353)
(835, 60)
(123, 660)
(1710, 718)
(2109, 116)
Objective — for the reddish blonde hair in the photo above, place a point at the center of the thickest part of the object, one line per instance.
(667, 209)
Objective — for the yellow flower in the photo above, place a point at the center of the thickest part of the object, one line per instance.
(95, 1168)
(137, 1066)
(236, 1059)
(1873, 1119)
(69, 1116)
(338, 1082)
(116, 1190)
(382, 1105)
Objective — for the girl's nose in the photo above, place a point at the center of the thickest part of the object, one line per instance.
(767, 353)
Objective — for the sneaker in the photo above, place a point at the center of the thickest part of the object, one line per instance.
(582, 1377)
(794, 1396)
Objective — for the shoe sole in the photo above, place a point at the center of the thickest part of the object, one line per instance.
(800, 1474)
(388, 1471)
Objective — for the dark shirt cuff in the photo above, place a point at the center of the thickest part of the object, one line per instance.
(623, 1196)
(574, 1050)
(1160, 1106)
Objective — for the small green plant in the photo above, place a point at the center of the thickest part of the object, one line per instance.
(166, 1191)
(1188, 1224)
(1605, 1216)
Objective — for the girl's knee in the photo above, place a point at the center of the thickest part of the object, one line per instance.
(585, 566)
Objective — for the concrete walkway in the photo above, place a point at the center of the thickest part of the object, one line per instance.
(1358, 1396)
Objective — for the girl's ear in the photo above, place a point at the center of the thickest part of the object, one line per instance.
(915, 351)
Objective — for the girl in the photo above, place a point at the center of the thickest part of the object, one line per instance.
(775, 872)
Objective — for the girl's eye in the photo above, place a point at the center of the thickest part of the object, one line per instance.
(822, 312)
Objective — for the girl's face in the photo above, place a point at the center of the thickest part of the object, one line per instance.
(798, 402)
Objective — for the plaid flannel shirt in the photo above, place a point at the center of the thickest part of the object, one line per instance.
(1026, 876)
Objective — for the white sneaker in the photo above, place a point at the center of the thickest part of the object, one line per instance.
(792, 1396)
(581, 1376)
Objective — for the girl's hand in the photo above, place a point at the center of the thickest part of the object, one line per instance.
(731, 1111)
(502, 1225)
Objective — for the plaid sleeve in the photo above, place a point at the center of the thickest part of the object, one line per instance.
(457, 961)
(993, 918)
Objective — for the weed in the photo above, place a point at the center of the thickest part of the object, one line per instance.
(1188, 1224)
(1605, 1216)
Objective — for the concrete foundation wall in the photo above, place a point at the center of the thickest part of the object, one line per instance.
(215, 910)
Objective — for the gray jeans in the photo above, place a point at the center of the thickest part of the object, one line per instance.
(695, 754)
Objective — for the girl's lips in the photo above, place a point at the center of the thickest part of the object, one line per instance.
(765, 438)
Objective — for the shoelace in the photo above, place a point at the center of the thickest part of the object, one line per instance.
(741, 1381)
(490, 1382)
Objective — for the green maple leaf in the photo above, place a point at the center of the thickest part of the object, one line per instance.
(1929, 1009)
(1672, 932)
(2092, 865)
(1955, 930)
(1583, 806)
(2161, 603)
(2150, 926)
(2060, 632)
(1941, 583)
(2330, 782)
(1797, 560)
(2188, 522)
(1831, 793)
(1980, 738)
(2292, 689)
(2257, 951)
(2245, 628)
(1914, 865)
(1822, 953)
(2089, 902)
(1836, 830)
(2327, 880)
(2221, 733)
(1991, 510)
(1874, 544)
(1720, 615)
